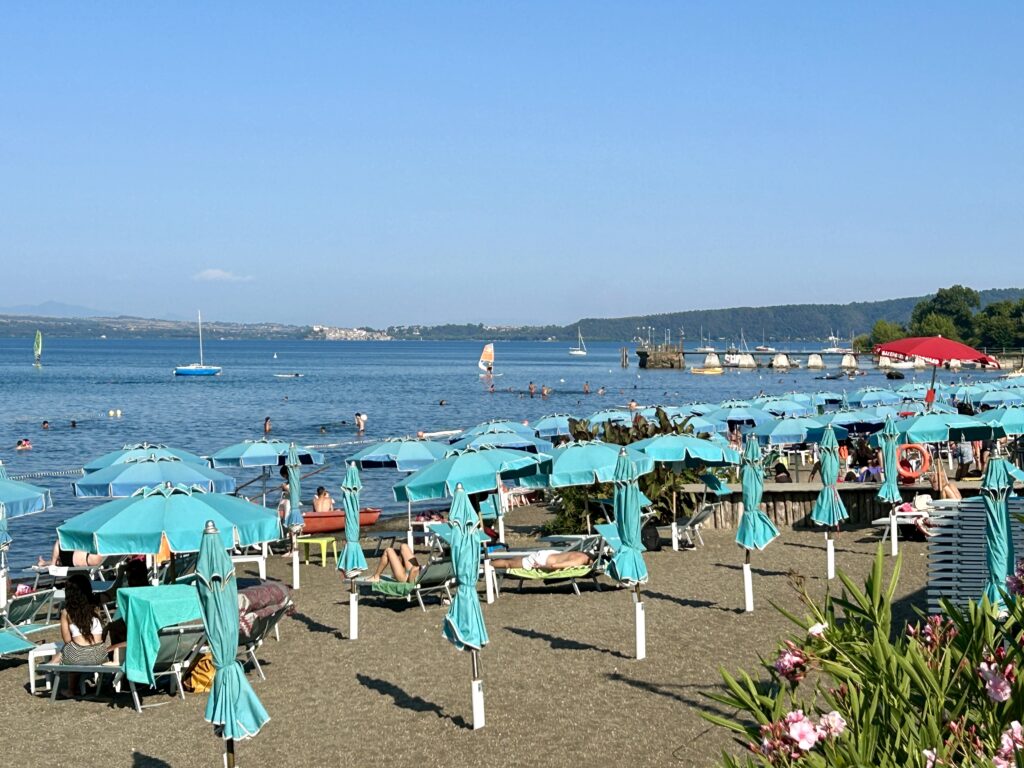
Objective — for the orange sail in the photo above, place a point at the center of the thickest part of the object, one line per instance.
(486, 363)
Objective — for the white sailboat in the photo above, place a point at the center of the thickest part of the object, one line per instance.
(704, 346)
(200, 368)
(580, 350)
(486, 362)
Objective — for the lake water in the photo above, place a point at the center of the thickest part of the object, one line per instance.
(399, 384)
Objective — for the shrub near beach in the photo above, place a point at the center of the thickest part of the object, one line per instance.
(850, 689)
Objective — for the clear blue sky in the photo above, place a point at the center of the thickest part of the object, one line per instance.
(524, 162)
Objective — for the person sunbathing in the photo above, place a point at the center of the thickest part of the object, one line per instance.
(68, 558)
(545, 560)
(941, 484)
(402, 562)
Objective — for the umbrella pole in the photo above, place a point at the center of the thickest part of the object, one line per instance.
(3, 580)
(675, 525)
(353, 611)
(830, 557)
(748, 585)
(586, 509)
(408, 533)
(478, 692)
(894, 546)
(640, 618)
(489, 580)
(229, 753)
(501, 512)
(295, 564)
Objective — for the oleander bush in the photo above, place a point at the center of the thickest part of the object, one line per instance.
(851, 689)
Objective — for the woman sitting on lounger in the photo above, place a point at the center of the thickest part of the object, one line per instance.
(402, 562)
(545, 560)
(80, 629)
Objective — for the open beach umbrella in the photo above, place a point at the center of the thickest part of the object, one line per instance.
(464, 622)
(511, 440)
(553, 425)
(829, 509)
(1000, 398)
(942, 427)
(478, 471)
(827, 398)
(935, 351)
(406, 454)
(17, 499)
(913, 407)
(791, 431)
(996, 487)
(233, 707)
(787, 408)
(266, 452)
(498, 425)
(755, 529)
(739, 414)
(1010, 420)
(889, 493)
(352, 562)
(970, 392)
(872, 396)
(135, 451)
(137, 524)
(735, 403)
(611, 416)
(699, 409)
(703, 424)
(123, 479)
(860, 420)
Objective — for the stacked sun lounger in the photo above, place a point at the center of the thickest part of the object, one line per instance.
(956, 553)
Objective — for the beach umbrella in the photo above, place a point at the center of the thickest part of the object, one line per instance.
(266, 452)
(872, 396)
(672, 412)
(787, 408)
(464, 622)
(553, 425)
(942, 427)
(511, 440)
(628, 565)
(739, 414)
(477, 470)
(139, 523)
(996, 487)
(352, 562)
(791, 431)
(889, 493)
(123, 479)
(293, 520)
(702, 424)
(935, 351)
(970, 392)
(232, 707)
(735, 404)
(406, 454)
(135, 451)
(1000, 398)
(828, 507)
(17, 499)
(498, 425)
(699, 409)
(611, 416)
(755, 529)
(858, 420)
(1009, 420)
(910, 408)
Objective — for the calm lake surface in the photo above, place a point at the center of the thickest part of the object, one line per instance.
(399, 384)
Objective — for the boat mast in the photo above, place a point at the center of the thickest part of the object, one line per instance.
(199, 314)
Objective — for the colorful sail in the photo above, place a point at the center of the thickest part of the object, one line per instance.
(38, 347)
(486, 363)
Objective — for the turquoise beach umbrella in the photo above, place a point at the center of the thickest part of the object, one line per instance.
(888, 440)
(741, 414)
(18, 499)
(464, 622)
(689, 450)
(755, 530)
(476, 470)
(125, 478)
(134, 451)
(942, 427)
(1000, 398)
(553, 425)
(611, 416)
(352, 562)
(871, 396)
(498, 425)
(1010, 420)
(590, 461)
(233, 707)
(405, 454)
(787, 408)
(800, 429)
(511, 440)
(996, 487)
(293, 519)
(627, 564)
(136, 524)
(266, 452)
(703, 424)
(828, 508)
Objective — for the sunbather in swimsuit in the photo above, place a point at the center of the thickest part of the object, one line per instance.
(402, 562)
(545, 560)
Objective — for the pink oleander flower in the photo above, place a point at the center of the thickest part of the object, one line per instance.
(929, 758)
(1010, 742)
(792, 663)
(936, 632)
(801, 730)
(831, 724)
(998, 682)
(817, 630)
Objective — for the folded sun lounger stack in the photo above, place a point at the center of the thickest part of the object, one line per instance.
(956, 552)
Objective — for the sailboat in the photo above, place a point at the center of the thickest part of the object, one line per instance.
(580, 350)
(704, 346)
(200, 368)
(763, 346)
(486, 362)
(37, 349)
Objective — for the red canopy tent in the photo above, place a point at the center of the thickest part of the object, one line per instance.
(935, 351)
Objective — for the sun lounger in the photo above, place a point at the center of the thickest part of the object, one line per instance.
(264, 607)
(591, 543)
(18, 619)
(435, 576)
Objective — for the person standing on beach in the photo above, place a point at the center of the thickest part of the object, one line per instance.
(267, 426)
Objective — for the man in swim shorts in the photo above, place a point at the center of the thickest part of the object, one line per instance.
(545, 560)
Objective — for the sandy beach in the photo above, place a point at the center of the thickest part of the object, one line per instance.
(560, 683)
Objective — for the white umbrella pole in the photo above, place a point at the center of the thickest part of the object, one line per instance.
(748, 585)
(501, 511)
(675, 526)
(830, 557)
(353, 611)
(894, 546)
(478, 692)
(408, 533)
(640, 618)
(3, 587)
(295, 565)
(489, 580)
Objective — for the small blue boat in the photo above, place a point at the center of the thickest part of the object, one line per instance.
(200, 368)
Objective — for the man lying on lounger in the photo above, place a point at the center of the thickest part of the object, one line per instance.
(545, 560)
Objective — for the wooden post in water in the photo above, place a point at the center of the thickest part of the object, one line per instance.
(624, 357)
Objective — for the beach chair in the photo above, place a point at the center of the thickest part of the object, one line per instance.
(690, 526)
(18, 621)
(435, 576)
(178, 645)
(594, 544)
(249, 642)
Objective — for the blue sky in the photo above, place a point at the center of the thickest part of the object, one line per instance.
(527, 162)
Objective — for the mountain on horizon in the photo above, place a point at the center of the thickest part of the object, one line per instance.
(53, 309)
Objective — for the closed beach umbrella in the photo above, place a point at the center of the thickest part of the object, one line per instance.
(137, 524)
(17, 499)
(828, 507)
(511, 440)
(135, 451)
(628, 564)
(352, 562)
(889, 493)
(405, 454)
(293, 520)
(233, 707)
(996, 487)
(477, 471)
(464, 622)
(553, 425)
(263, 453)
(755, 530)
(125, 478)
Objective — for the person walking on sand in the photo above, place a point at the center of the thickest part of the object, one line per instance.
(267, 426)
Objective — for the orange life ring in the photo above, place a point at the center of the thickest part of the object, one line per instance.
(926, 460)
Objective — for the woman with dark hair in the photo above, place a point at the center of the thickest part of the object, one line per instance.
(80, 628)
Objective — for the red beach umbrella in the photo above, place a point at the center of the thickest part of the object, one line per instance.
(934, 350)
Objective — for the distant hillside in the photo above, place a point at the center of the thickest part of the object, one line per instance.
(790, 322)
(139, 328)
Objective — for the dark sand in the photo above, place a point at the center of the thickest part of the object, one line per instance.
(560, 684)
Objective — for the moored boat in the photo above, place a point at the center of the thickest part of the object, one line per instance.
(334, 520)
(708, 371)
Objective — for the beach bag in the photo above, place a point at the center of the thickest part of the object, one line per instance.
(199, 677)
(650, 538)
